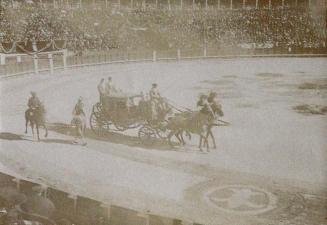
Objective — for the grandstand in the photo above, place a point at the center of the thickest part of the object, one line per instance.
(174, 4)
(88, 28)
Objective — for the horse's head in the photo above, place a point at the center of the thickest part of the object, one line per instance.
(217, 109)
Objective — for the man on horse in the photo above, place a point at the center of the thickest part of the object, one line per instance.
(35, 115)
(79, 108)
(33, 102)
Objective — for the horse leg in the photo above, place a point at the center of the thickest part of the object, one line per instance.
(32, 126)
(206, 143)
(181, 137)
(184, 143)
(46, 130)
(37, 132)
(213, 139)
(206, 136)
(179, 140)
(170, 135)
(26, 122)
(200, 143)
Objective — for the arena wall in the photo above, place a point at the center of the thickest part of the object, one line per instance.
(47, 62)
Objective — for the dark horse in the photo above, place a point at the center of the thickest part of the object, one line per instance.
(36, 117)
(197, 123)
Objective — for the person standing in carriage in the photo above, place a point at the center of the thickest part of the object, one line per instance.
(155, 99)
(79, 121)
(110, 87)
(101, 89)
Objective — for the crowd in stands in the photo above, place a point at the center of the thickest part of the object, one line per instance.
(108, 28)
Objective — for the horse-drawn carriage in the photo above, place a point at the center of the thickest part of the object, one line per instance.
(124, 111)
(128, 111)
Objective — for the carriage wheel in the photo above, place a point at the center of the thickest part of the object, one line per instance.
(98, 125)
(97, 108)
(123, 128)
(147, 135)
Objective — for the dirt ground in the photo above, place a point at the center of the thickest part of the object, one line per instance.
(269, 166)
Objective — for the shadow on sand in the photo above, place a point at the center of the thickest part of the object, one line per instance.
(11, 136)
(16, 137)
(112, 137)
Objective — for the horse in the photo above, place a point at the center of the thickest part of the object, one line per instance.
(36, 117)
(190, 122)
(195, 122)
(79, 123)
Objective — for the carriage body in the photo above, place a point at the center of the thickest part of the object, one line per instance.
(124, 111)
(121, 112)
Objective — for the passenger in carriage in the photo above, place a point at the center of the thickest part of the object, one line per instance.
(101, 89)
(110, 87)
(33, 102)
(155, 99)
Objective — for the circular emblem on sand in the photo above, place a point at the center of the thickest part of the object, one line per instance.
(241, 199)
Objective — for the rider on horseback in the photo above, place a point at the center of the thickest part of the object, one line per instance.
(204, 105)
(33, 102)
(35, 115)
(79, 108)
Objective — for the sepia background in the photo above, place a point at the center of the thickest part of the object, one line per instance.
(266, 59)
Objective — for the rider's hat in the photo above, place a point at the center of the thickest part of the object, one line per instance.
(154, 85)
(33, 93)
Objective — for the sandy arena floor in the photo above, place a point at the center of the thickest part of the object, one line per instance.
(269, 168)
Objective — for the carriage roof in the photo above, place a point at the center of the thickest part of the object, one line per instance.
(121, 97)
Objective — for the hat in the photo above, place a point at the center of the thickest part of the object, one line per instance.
(154, 85)
(33, 93)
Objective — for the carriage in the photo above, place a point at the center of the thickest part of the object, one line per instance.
(122, 112)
